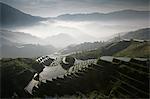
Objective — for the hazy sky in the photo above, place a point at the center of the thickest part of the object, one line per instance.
(48, 8)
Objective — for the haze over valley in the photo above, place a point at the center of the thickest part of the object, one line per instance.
(70, 29)
(96, 24)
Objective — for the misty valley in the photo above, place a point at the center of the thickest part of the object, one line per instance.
(85, 55)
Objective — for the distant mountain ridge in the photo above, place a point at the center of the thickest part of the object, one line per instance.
(117, 15)
(11, 17)
(19, 37)
(18, 44)
(59, 40)
(141, 34)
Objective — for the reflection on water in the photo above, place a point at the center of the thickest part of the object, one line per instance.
(48, 72)
(30, 86)
(51, 71)
(110, 58)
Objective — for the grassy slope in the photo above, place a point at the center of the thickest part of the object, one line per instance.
(123, 49)
(93, 54)
(136, 49)
(15, 74)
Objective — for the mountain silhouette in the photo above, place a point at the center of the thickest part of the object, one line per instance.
(19, 37)
(112, 16)
(12, 17)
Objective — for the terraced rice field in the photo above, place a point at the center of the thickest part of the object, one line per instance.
(114, 77)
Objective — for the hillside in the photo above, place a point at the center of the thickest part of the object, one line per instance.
(19, 37)
(130, 44)
(113, 48)
(11, 17)
(132, 48)
(118, 46)
(105, 50)
(123, 48)
(141, 34)
(86, 46)
(15, 70)
(136, 49)
(18, 44)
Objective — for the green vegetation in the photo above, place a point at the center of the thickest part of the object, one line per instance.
(94, 54)
(83, 47)
(15, 75)
(136, 49)
(123, 49)
(141, 34)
